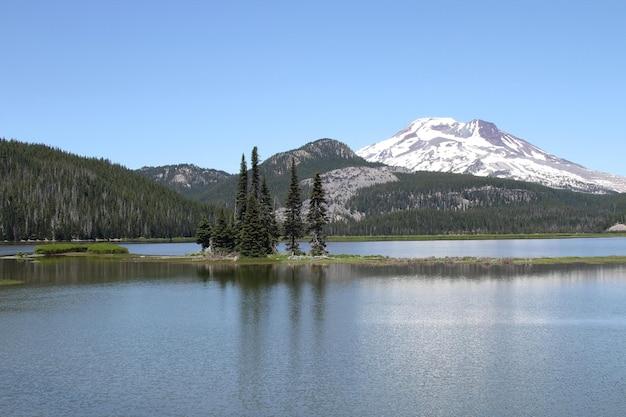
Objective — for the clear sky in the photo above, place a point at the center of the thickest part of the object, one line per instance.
(147, 83)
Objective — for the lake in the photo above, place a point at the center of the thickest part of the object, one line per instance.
(109, 338)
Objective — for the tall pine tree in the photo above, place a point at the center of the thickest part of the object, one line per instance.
(268, 218)
(317, 218)
(293, 227)
(242, 191)
(255, 186)
(253, 232)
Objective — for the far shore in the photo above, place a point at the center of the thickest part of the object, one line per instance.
(375, 238)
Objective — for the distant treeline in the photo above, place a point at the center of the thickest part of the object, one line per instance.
(46, 193)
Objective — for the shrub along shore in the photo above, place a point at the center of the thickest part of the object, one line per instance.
(94, 249)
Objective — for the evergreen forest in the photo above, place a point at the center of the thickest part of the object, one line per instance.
(46, 193)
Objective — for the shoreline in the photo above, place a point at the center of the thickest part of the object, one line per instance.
(332, 259)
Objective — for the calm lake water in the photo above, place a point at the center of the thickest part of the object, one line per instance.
(505, 248)
(110, 338)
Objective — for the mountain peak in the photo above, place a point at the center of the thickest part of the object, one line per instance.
(478, 147)
(326, 147)
(315, 156)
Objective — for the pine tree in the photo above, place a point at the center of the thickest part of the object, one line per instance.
(293, 228)
(253, 232)
(242, 191)
(223, 235)
(316, 217)
(203, 234)
(255, 186)
(269, 219)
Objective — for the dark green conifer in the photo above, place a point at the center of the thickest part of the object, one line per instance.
(255, 186)
(242, 191)
(223, 235)
(317, 218)
(293, 227)
(253, 232)
(203, 234)
(268, 218)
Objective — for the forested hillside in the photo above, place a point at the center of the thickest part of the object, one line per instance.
(47, 193)
(439, 203)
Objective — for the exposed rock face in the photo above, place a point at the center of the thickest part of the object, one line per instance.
(341, 184)
(618, 227)
(183, 175)
(321, 152)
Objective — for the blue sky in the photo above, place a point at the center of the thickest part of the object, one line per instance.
(147, 83)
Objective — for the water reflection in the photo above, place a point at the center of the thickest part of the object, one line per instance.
(458, 337)
(258, 278)
(87, 270)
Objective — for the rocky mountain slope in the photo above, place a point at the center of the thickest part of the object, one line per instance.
(187, 179)
(319, 156)
(340, 185)
(480, 148)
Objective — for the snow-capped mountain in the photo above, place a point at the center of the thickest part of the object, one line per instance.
(480, 148)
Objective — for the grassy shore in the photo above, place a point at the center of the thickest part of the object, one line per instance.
(4, 282)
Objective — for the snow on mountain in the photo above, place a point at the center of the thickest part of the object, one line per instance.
(480, 148)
